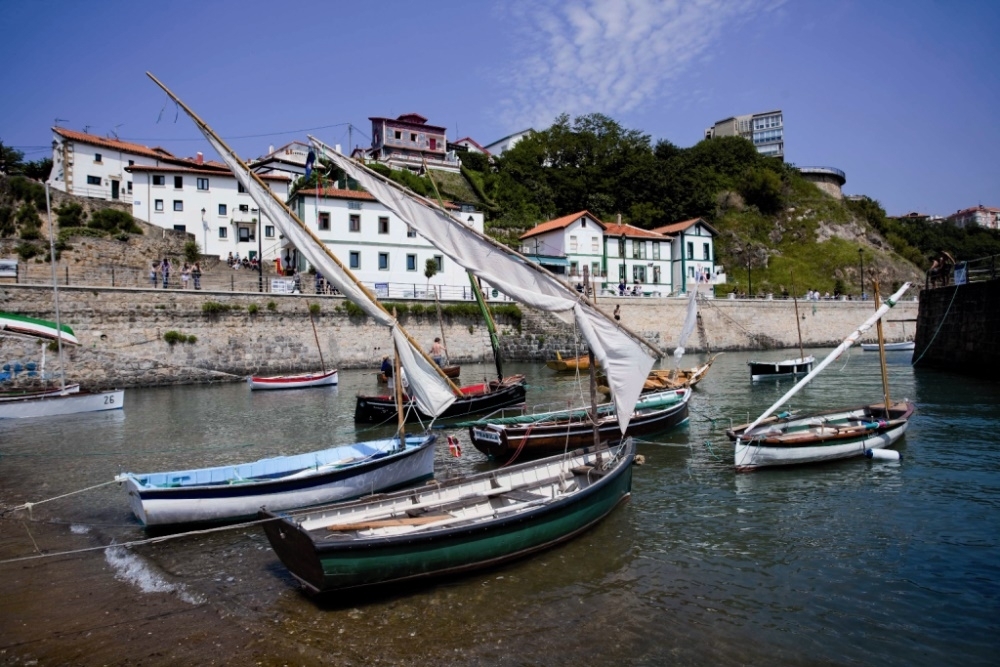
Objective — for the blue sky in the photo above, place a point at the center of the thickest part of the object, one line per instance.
(902, 96)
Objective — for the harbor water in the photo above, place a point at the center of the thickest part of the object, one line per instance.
(854, 562)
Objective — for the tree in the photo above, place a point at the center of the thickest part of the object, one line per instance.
(11, 160)
(430, 270)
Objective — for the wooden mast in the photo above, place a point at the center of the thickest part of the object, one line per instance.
(881, 352)
(319, 244)
(798, 326)
(322, 364)
(397, 381)
(593, 372)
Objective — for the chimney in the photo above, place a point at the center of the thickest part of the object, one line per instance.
(200, 158)
(619, 218)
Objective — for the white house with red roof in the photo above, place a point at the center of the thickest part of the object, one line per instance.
(408, 142)
(638, 259)
(566, 245)
(977, 216)
(382, 251)
(692, 254)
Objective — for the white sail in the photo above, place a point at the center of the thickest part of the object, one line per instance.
(432, 392)
(622, 356)
(830, 358)
(689, 323)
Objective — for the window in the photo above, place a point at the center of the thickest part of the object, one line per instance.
(383, 261)
(159, 179)
(621, 247)
(574, 268)
(97, 157)
(158, 205)
(244, 208)
(178, 205)
(223, 233)
(410, 232)
(690, 250)
(411, 262)
(93, 180)
(572, 244)
(324, 222)
(440, 262)
(223, 209)
(706, 252)
(178, 182)
(128, 187)
(656, 275)
(595, 245)
(355, 259)
(383, 225)
(355, 223)
(180, 228)
(354, 205)
(269, 231)
(240, 189)
(595, 269)
(203, 184)
(656, 249)
(638, 250)
(639, 273)
(397, 134)
(244, 234)
(131, 163)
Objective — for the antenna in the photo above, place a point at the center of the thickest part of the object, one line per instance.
(61, 120)
(114, 131)
(86, 129)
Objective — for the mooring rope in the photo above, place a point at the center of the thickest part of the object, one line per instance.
(940, 324)
(29, 506)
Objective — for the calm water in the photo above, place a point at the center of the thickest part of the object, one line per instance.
(854, 562)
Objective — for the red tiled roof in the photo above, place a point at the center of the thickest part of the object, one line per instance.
(473, 142)
(114, 144)
(560, 223)
(336, 193)
(208, 168)
(617, 230)
(681, 226)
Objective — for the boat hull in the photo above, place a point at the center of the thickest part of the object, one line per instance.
(215, 495)
(476, 400)
(560, 365)
(765, 370)
(19, 394)
(324, 564)
(299, 381)
(819, 437)
(566, 430)
(63, 404)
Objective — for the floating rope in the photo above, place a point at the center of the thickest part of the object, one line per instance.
(29, 506)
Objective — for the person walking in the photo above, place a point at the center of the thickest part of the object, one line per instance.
(196, 275)
(154, 272)
(165, 270)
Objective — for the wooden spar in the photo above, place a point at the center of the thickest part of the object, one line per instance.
(593, 374)
(247, 172)
(444, 343)
(322, 364)
(847, 342)
(532, 266)
(881, 352)
(55, 290)
(798, 325)
(397, 382)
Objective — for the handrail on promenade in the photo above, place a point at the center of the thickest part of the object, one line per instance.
(971, 271)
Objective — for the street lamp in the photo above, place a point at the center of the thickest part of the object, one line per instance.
(749, 277)
(861, 261)
(260, 258)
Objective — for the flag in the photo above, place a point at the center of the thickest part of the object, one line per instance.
(310, 160)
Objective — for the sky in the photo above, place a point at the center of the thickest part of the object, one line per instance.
(904, 97)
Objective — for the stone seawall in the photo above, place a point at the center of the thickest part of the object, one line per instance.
(121, 331)
(959, 329)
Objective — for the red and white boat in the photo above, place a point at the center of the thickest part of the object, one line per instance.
(299, 381)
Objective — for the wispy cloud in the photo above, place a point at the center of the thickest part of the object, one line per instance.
(609, 56)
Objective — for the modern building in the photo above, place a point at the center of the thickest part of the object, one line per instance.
(408, 142)
(979, 216)
(766, 130)
(692, 253)
(383, 252)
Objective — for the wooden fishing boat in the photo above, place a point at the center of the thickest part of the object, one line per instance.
(664, 379)
(560, 365)
(453, 526)
(37, 328)
(73, 401)
(901, 346)
(766, 370)
(299, 381)
(824, 436)
(475, 399)
(229, 493)
(786, 439)
(521, 437)
(19, 392)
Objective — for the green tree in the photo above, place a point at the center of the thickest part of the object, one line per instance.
(71, 214)
(430, 270)
(112, 220)
(192, 251)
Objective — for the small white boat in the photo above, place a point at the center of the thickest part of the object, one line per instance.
(762, 370)
(889, 347)
(21, 393)
(71, 402)
(299, 381)
(230, 493)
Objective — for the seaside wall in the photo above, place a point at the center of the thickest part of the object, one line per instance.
(958, 329)
(121, 331)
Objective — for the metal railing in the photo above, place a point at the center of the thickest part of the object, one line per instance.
(971, 271)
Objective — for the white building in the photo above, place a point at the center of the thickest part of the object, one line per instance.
(692, 254)
(382, 251)
(506, 143)
(638, 257)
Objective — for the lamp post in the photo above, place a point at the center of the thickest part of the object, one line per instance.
(749, 277)
(260, 258)
(861, 261)
(204, 232)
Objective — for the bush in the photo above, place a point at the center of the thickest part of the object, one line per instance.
(7, 226)
(174, 337)
(214, 307)
(192, 252)
(71, 214)
(272, 306)
(26, 250)
(314, 309)
(113, 220)
(253, 308)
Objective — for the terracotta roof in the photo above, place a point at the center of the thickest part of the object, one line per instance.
(681, 226)
(208, 168)
(471, 141)
(114, 144)
(561, 223)
(616, 230)
(335, 193)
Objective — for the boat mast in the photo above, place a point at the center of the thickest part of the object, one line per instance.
(798, 326)
(322, 364)
(397, 382)
(881, 353)
(593, 371)
(55, 289)
(319, 244)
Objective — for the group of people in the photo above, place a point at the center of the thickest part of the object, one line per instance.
(623, 289)
(235, 262)
(160, 270)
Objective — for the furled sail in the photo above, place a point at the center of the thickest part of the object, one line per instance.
(621, 354)
(689, 323)
(431, 391)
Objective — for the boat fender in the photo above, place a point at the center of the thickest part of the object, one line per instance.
(454, 447)
(639, 460)
(883, 454)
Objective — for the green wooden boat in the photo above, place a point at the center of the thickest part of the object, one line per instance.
(453, 526)
(32, 326)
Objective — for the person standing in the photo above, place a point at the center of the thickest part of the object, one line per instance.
(165, 270)
(154, 271)
(196, 275)
(185, 275)
(437, 351)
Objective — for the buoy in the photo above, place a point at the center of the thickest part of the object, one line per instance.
(454, 447)
(883, 454)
